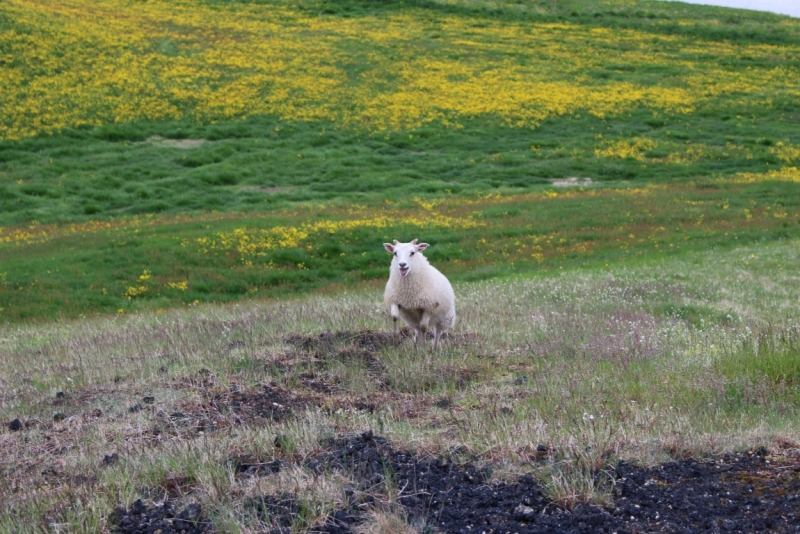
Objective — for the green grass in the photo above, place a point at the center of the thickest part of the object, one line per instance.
(699, 21)
(65, 273)
(262, 162)
(773, 356)
(248, 166)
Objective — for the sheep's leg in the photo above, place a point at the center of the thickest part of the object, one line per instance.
(423, 324)
(395, 311)
(437, 333)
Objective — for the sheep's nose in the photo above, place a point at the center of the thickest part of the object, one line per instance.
(402, 264)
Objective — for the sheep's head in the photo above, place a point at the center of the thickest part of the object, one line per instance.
(404, 254)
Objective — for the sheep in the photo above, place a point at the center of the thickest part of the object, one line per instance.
(418, 293)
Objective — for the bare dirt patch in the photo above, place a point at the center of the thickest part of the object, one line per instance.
(327, 342)
(176, 143)
(258, 189)
(234, 405)
(573, 181)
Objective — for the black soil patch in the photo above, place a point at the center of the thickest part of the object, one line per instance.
(731, 493)
(164, 519)
(270, 402)
(223, 407)
(328, 342)
(366, 457)
(345, 346)
(313, 356)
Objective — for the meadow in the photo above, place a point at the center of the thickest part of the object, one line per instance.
(194, 197)
(665, 359)
(259, 117)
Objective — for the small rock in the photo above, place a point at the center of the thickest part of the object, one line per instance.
(110, 459)
(619, 487)
(136, 408)
(60, 395)
(138, 507)
(15, 425)
(148, 400)
(524, 513)
(589, 515)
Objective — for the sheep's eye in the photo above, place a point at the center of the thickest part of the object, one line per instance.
(395, 253)
(412, 253)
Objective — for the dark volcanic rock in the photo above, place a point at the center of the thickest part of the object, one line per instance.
(728, 494)
(740, 493)
(731, 493)
(15, 425)
(366, 456)
(142, 519)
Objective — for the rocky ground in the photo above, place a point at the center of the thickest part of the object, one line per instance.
(730, 493)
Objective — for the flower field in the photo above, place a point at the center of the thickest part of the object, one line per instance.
(78, 63)
(123, 108)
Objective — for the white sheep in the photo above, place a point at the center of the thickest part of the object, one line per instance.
(418, 293)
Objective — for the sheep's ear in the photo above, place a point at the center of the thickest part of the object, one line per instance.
(396, 242)
(422, 246)
(414, 242)
(388, 247)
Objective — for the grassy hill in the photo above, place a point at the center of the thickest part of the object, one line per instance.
(141, 137)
